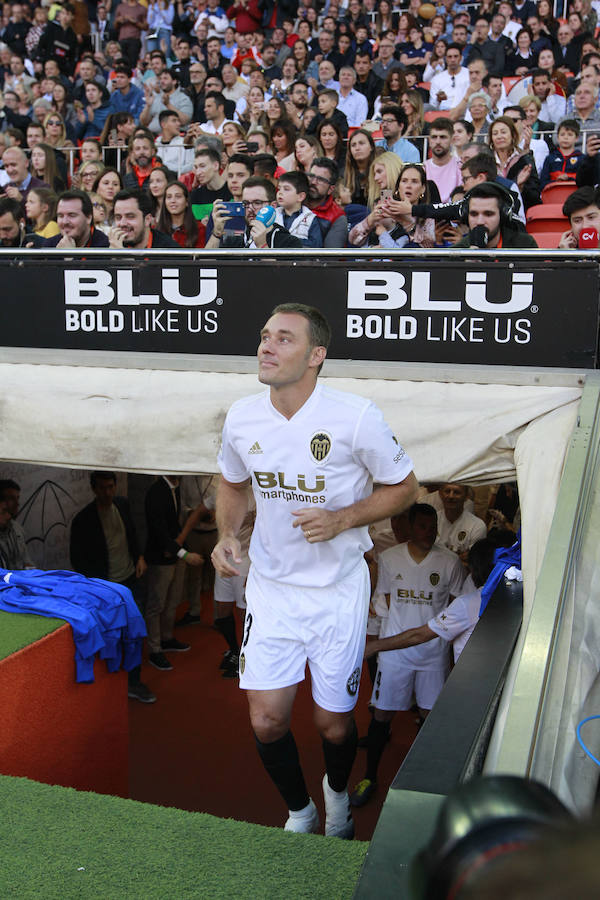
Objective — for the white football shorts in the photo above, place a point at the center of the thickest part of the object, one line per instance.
(287, 626)
(233, 590)
(396, 684)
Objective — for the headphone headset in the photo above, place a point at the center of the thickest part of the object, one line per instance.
(507, 201)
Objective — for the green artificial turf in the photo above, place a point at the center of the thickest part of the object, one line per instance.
(60, 843)
(18, 630)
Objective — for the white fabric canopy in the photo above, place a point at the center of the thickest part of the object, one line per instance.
(149, 420)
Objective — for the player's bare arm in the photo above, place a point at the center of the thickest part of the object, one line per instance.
(232, 506)
(409, 638)
(387, 500)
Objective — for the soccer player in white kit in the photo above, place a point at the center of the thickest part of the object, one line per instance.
(311, 454)
(417, 578)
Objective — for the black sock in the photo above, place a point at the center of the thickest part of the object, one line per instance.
(339, 759)
(372, 668)
(133, 676)
(376, 740)
(280, 759)
(226, 625)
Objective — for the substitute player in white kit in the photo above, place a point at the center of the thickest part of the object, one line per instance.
(311, 454)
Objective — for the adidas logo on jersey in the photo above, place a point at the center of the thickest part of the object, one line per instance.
(255, 448)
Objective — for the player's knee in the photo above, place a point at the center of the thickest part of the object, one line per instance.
(335, 730)
(268, 726)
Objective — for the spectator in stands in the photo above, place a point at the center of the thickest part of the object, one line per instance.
(132, 223)
(92, 117)
(383, 176)
(40, 209)
(411, 188)
(582, 208)
(491, 52)
(257, 192)
(170, 97)
(549, 23)
(462, 134)
(352, 103)
(361, 153)
(328, 112)
(13, 546)
(332, 141)
(553, 106)
(107, 185)
(367, 82)
(142, 159)
(239, 168)
(177, 219)
(59, 42)
(293, 214)
(20, 180)
(563, 162)
(479, 106)
(170, 144)
(126, 97)
(306, 149)
(393, 87)
(490, 226)
(211, 184)
(74, 215)
(385, 59)
(129, 22)
(585, 112)
(13, 230)
(527, 142)
(567, 52)
(412, 104)
(322, 180)
(159, 179)
(394, 122)
(442, 168)
(524, 58)
(531, 106)
(513, 163)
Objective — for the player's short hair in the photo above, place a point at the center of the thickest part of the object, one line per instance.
(482, 164)
(442, 124)
(97, 476)
(421, 509)
(212, 154)
(319, 332)
(571, 124)
(7, 484)
(84, 198)
(481, 561)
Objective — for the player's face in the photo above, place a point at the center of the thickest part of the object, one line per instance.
(105, 490)
(423, 532)
(453, 496)
(284, 352)
(11, 499)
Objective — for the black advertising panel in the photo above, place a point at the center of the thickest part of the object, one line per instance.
(517, 312)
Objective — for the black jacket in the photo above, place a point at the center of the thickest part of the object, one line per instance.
(56, 43)
(279, 239)
(97, 239)
(511, 240)
(162, 523)
(88, 550)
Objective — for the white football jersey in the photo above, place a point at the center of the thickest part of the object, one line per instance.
(457, 621)
(326, 456)
(460, 535)
(417, 592)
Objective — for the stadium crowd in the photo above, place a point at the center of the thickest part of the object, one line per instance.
(174, 124)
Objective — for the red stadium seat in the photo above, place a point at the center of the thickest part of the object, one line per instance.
(433, 114)
(548, 240)
(424, 84)
(509, 81)
(547, 217)
(557, 192)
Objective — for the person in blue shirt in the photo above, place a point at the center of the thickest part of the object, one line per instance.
(394, 122)
(126, 97)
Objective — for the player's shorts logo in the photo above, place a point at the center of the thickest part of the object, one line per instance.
(353, 682)
(242, 664)
(462, 535)
(434, 578)
(320, 446)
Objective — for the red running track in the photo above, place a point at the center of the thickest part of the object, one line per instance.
(194, 749)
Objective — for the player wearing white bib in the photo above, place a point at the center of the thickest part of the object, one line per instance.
(417, 579)
(311, 454)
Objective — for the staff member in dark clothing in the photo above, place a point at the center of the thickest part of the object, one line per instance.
(104, 545)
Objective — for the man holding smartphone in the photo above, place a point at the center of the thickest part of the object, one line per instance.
(257, 193)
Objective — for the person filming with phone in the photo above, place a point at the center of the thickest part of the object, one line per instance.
(261, 232)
